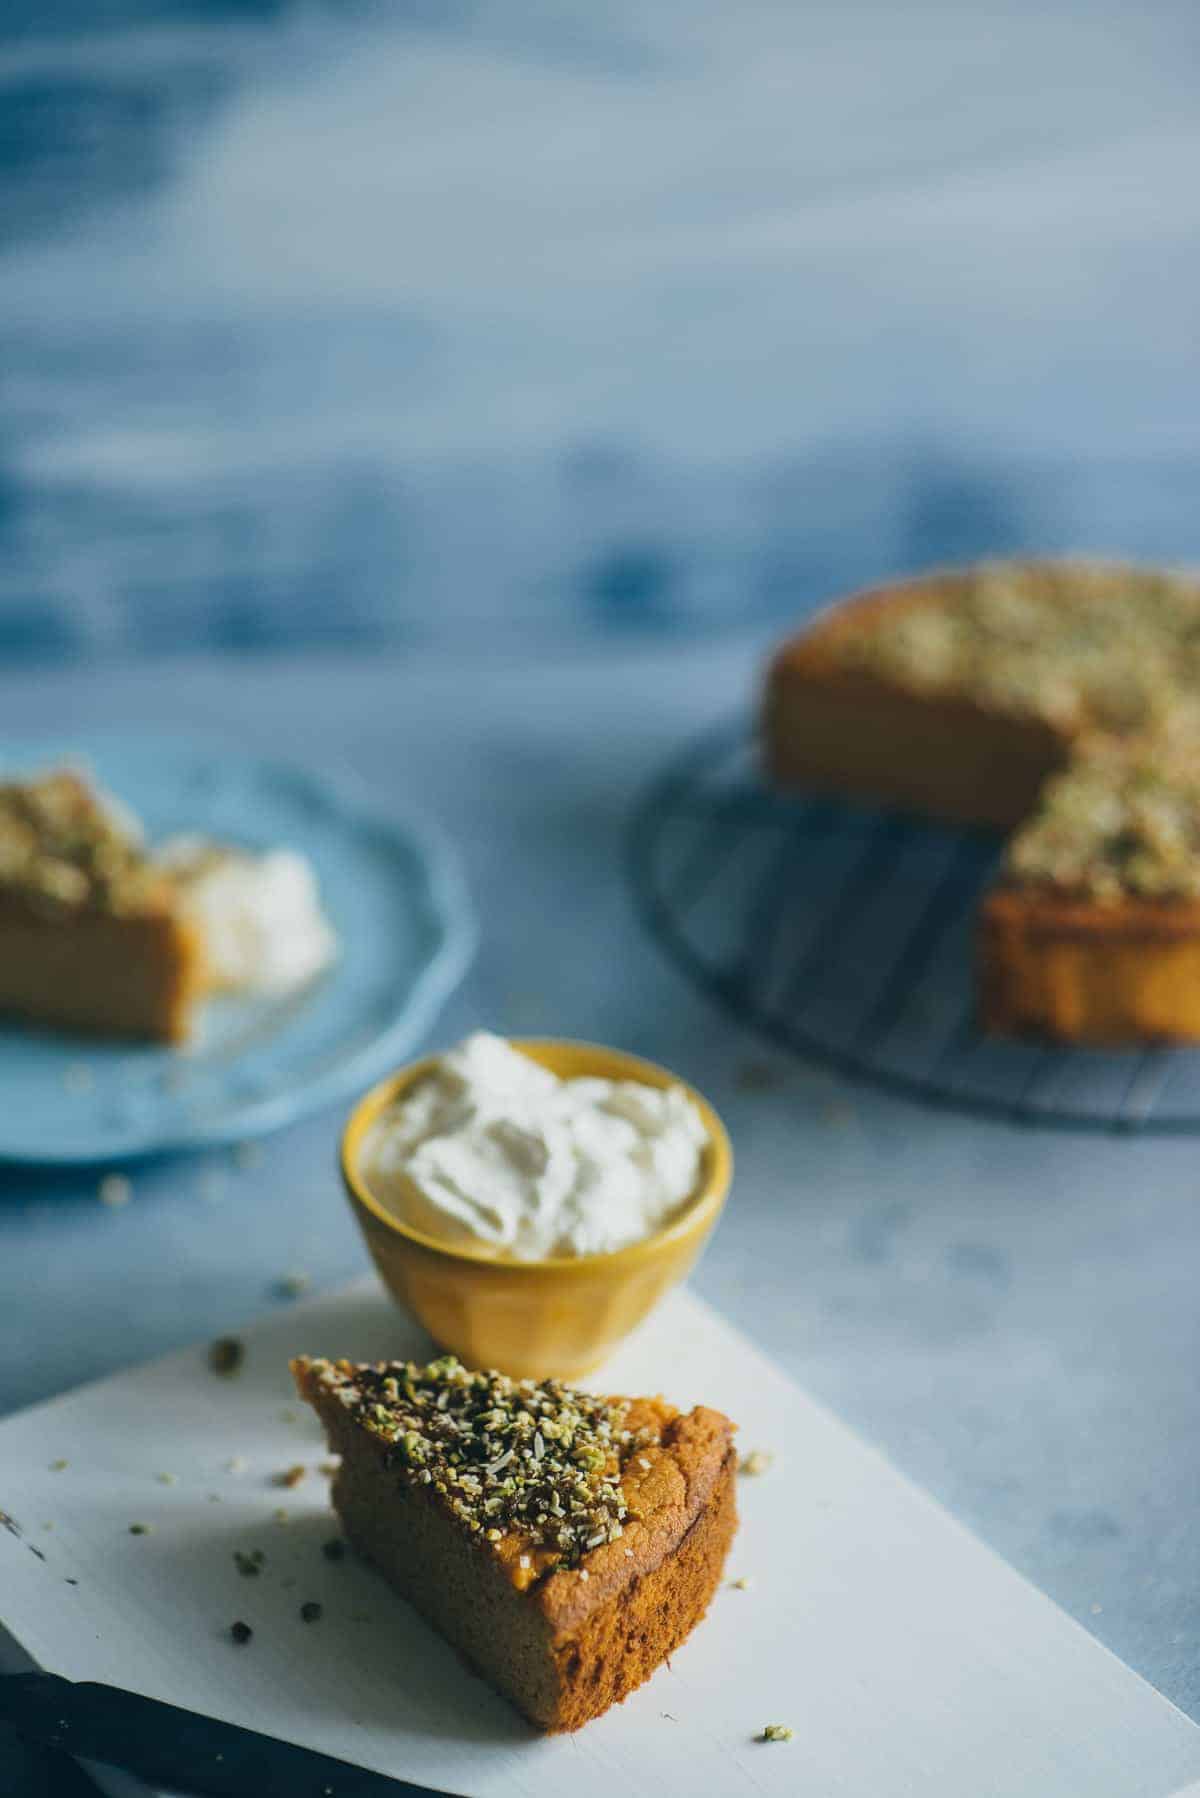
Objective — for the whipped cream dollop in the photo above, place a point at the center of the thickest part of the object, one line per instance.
(264, 930)
(491, 1149)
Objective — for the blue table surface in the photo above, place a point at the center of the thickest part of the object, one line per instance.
(528, 369)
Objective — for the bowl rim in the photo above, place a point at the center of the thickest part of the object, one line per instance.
(697, 1213)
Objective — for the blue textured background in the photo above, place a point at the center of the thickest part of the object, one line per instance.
(348, 323)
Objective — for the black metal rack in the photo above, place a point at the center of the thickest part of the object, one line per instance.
(846, 935)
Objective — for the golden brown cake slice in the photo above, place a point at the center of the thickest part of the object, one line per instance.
(92, 937)
(1093, 931)
(565, 1544)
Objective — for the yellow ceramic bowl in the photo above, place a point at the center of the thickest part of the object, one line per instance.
(535, 1318)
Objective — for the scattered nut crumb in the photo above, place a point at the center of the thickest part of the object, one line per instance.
(756, 1462)
(78, 1078)
(740, 1585)
(139, 1529)
(167, 1479)
(757, 1077)
(57, 1466)
(226, 1355)
(115, 1190)
(334, 1550)
(247, 1155)
(292, 1285)
(328, 1468)
(289, 1476)
(310, 1610)
(241, 1632)
(776, 1732)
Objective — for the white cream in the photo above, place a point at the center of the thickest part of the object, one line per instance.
(492, 1149)
(264, 930)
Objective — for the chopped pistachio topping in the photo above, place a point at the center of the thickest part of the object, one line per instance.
(756, 1462)
(62, 849)
(777, 1732)
(1118, 822)
(1109, 648)
(532, 1457)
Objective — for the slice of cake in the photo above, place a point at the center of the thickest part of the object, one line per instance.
(1093, 929)
(93, 937)
(565, 1544)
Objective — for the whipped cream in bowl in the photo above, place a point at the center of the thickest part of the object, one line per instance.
(532, 1201)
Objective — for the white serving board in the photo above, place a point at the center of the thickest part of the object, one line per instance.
(907, 1658)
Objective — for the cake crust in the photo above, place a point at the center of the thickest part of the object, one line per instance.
(563, 1635)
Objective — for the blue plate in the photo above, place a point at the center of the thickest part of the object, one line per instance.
(406, 932)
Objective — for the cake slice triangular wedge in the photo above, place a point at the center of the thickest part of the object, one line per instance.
(565, 1544)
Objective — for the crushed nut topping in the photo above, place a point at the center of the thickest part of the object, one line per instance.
(289, 1476)
(62, 849)
(1106, 648)
(777, 1732)
(533, 1457)
(1120, 820)
(756, 1462)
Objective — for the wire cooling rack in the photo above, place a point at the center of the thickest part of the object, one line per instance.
(847, 935)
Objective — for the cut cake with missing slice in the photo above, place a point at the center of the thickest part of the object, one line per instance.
(565, 1544)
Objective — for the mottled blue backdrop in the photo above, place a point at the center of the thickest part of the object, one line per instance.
(344, 323)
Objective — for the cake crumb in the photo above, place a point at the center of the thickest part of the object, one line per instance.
(241, 1632)
(115, 1190)
(756, 1462)
(291, 1286)
(289, 1476)
(226, 1355)
(776, 1732)
(757, 1077)
(310, 1611)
